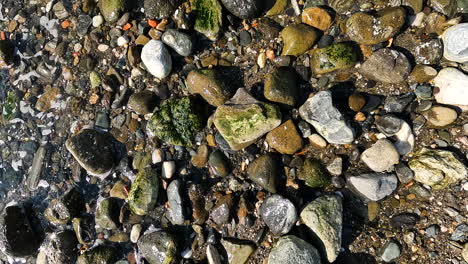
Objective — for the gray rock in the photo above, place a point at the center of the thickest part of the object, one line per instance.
(279, 214)
(437, 168)
(324, 216)
(460, 233)
(157, 59)
(179, 41)
(374, 186)
(293, 250)
(94, 151)
(221, 213)
(238, 252)
(107, 213)
(336, 166)
(218, 163)
(386, 65)
(374, 159)
(398, 103)
(158, 247)
(390, 251)
(404, 173)
(61, 247)
(327, 120)
(388, 124)
(243, 8)
(176, 207)
(456, 43)
(160, 8)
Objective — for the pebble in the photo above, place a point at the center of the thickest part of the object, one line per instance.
(317, 17)
(388, 124)
(218, 163)
(298, 38)
(292, 250)
(465, 252)
(460, 233)
(390, 251)
(158, 247)
(440, 116)
(336, 166)
(176, 206)
(317, 141)
(456, 43)
(451, 84)
(285, 138)
(97, 21)
(168, 169)
(279, 214)
(398, 103)
(404, 139)
(374, 186)
(122, 41)
(432, 231)
(374, 159)
(356, 102)
(264, 172)
(237, 251)
(261, 60)
(281, 86)
(404, 173)
(157, 59)
(179, 41)
(135, 233)
(386, 65)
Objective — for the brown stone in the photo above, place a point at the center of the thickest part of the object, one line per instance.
(356, 102)
(317, 17)
(200, 159)
(119, 190)
(285, 138)
(422, 74)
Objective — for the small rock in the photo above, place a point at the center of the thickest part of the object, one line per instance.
(404, 173)
(298, 38)
(374, 159)
(209, 17)
(356, 102)
(424, 50)
(465, 252)
(7, 52)
(317, 17)
(386, 65)
(281, 86)
(285, 138)
(243, 8)
(135, 233)
(455, 43)
(221, 213)
(460, 233)
(157, 59)
(279, 214)
(432, 231)
(158, 247)
(107, 213)
(372, 211)
(336, 166)
(176, 207)
(440, 116)
(111, 10)
(333, 57)
(143, 102)
(61, 247)
(238, 252)
(388, 124)
(374, 186)
(179, 41)
(404, 139)
(324, 217)
(160, 9)
(209, 84)
(398, 103)
(293, 250)
(264, 172)
(200, 159)
(422, 74)
(168, 169)
(62, 210)
(327, 120)
(99, 254)
(97, 21)
(390, 251)
(451, 88)
(219, 164)
(313, 173)
(317, 141)
(245, 38)
(144, 191)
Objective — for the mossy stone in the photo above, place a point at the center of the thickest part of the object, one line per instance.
(281, 86)
(111, 10)
(144, 191)
(314, 174)
(101, 254)
(208, 17)
(334, 57)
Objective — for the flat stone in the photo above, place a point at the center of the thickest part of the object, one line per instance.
(398, 103)
(107, 213)
(279, 214)
(143, 102)
(404, 173)
(456, 43)
(314, 174)
(264, 172)
(219, 163)
(298, 38)
(157, 59)
(293, 250)
(374, 186)
(209, 17)
(317, 17)
(390, 251)
(327, 120)
(377, 162)
(451, 88)
(179, 41)
(285, 138)
(324, 217)
(388, 124)
(386, 65)
(176, 206)
(437, 168)
(422, 74)
(440, 116)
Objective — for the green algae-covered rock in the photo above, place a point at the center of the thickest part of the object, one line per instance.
(9, 108)
(314, 174)
(298, 38)
(94, 79)
(324, 217)
(99, 255)
(437, 168)
(369, 30)
(144, 191)
(334, 57)
(208, 17)
(281, 86)
(158, 247)
(111, 10)
(209, 84)
(242, 124)
(177, 121)
(107, 213)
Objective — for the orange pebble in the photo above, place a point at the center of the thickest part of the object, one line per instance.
(127, 26)
(152, 23)
(2, 35)
(65, 24)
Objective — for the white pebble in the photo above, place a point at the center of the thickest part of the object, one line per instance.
(98, 20)
(318, 141)
(135, 233)
(121, 41)
(168, 169)
(157, 156)
(261, 61)
(103, 47)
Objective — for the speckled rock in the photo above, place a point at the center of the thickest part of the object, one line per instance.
(157, 59)
(424, 50)
(285, 138)
(111, 10)
(386, 65)
(61, 247)
(160, 8)
(238, 252)
(292, 250)
(298, 38)
(144, 191)
(279, 214)
(158, 247)
(243, 8)
(179, 41)
(437, 168)
(324, 217)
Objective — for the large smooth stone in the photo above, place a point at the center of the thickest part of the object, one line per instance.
(157, 59)
(452, 88)
(456, 43)
(327, 120)
(293, 250)
(279, 214)
(374, 159)
(298, 38)
(374, 186)
(386, 65)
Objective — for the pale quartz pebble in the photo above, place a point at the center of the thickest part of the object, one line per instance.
(456, 43)
(261, 60)
(157, 59)
(452, 87)
(168, 169)
(157, 156)
(122, 41)
(404, 139)
(135, 233)
(417, 20)
(317, 141)
(97, 20)
(103, 47)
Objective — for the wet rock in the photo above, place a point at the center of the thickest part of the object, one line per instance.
(119, 190)
(238, 252)
(386, 65)
(241, 124)
(324, 217)
(334, 57)
(422, 74)
(144, 191)
(398, 103)
(160, 8)
(20, 233)
(327, 120)
(62, 210)
(291, 250)
(111, 10)
(243, 8)
(209, 84)
(176, 121)
(374, 186)
(317, 141)
(404, 173)
(314, 174)
(179, 41)
(460, 233)
(390, 251)
(158, 247)
(317, 17)
(200, 159)
(281, 86)
(298, 38)
(356, 102)
(135, 233)
(384, 25)
(388, 124)
(455, 43)
(84, 229)
(221, 213)
(285, 138)
(264, 172)
(377, 162)
(278, 8)
(404, 220)
(440, 116)
(209, 17)
(279, 214)
(437, 168)
(61, 248)
(176, 206)
(268, 28)
(446, 7)
(157, 59)
(451, 87)
(7, 52)
(94, 151)
(336, 166)
(143, 102)
(99, 255)
(107, 213)
(424, 50)
(219, 164)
